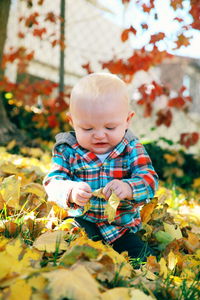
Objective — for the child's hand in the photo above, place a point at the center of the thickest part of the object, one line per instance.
(122, 189)
(80, 193)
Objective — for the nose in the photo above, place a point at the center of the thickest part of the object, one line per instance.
(99, 134)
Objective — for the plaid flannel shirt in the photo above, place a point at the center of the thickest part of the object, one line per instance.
(128, 161)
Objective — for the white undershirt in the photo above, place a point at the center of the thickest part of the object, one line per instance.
(103, 156)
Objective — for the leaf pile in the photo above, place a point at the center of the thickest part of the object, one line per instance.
(44, 256)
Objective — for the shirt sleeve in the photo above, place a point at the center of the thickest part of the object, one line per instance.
(143, 179)
(58, 182)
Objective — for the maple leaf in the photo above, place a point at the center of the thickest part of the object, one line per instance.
(176, 4)
(87, 67)
(189, 139)
(182, 41)
(157, 37)
(39, 32)
(32, 20)
(20, 287)
(147, 210)
(10, 191)
(173, 230)
(163, 268)
(34, 188)
(164, 117)
(85, 287)
(125, 33)
(111, 207)
(51, 241)
(51, 17)
(144, 26)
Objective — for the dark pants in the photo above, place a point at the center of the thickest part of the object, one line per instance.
(129, 242)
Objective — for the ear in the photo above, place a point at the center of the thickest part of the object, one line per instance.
(69, 118)
(131, 114)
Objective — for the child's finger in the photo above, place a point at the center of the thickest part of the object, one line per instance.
(84, 194)
(107, 191)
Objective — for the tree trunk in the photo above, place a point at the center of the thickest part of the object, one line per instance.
(8, 130)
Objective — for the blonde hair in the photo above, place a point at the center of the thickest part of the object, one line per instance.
(96, 86)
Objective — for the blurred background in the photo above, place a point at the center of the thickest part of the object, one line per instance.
(47, 46)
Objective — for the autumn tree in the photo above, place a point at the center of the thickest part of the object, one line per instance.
(26, 91)
(150, 54)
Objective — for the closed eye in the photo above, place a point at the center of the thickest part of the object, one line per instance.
(110, 128)
(87, 129)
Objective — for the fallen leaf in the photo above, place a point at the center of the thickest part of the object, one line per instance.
(163, 268)
(51, 241)
(147, 210)
(78, 284)
(10, 191)
(172, 260)
(173, 230)
(34, 188)
(20, 289)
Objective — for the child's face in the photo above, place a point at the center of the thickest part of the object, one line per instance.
(100, 126)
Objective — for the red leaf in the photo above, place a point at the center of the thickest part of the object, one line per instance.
(195, 12)
(51, 17)
(52, 121)
(144, 26)
(178, 19)
(32, 20)
(147, 8)
(39, 32)
(189, 139)
(87, 67)
(164, 117)
(180, 101)
(21, 35)
(176, 4)
(182, 41)
(125, 33)
(157, 37)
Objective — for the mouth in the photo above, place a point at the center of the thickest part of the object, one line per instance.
(100, 144)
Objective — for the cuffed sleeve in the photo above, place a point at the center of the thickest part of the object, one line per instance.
(143, 180)
(58, 183)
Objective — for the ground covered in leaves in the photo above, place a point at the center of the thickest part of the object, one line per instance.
(45, 256)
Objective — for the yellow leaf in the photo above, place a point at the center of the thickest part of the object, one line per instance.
(20, 289)
(2, 202)
(170, 158)
(163, 268)
(192, 242)
(51, 241)
(196, 183)
(111, 207)
(118, 259)
(11, 145)
(9, 168)
(173, 230)
(7, 262)
(98, 193)
(34, 188)
(87, 207)
(172, 260)
(72, 284)
(16, 259)
(10, 191)
(140, 295)
(147, 210)
(37, 282)
(117, 293)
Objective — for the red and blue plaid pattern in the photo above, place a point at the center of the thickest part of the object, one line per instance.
(129, 162)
